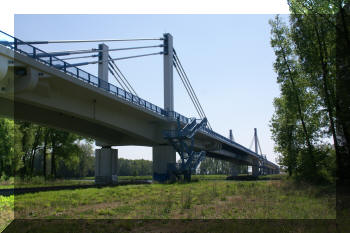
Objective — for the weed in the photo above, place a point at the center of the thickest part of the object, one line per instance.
(214, 190)
(186, 199)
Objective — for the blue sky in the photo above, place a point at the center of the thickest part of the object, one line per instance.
(228, 60)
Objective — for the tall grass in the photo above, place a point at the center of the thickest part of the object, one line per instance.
(203, 199)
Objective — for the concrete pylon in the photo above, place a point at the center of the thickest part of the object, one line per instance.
(103, 62)
(164, 159)
(168, 72)
(106, 161)
(164, 156)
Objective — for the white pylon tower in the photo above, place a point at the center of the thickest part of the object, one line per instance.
(256, 142)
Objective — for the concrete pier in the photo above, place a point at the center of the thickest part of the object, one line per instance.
(106, 161)
(164, 158)
(255, 170)
(235, 169)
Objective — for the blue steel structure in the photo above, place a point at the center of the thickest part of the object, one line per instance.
(181, 134)
(182, 139)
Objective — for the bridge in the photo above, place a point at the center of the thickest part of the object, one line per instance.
(42, 88)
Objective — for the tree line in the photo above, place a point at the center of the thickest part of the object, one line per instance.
(28, 150)
(310, 125)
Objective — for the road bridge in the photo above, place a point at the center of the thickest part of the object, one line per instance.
(40, 87)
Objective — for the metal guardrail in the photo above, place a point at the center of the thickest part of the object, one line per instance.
(63, 66)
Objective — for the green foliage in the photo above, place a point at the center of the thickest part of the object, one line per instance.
(10, 147)
(214, 166)
(304, 118)
(25, 146)
(137, 167)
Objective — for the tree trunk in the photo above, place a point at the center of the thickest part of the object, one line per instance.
(326, 91)
(343, 96)
(34, 148)
(53, 159)
(301, 116)
(46, 139)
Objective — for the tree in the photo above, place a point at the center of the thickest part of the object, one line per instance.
(283, 128)
(292, 84)
(63, 144)
(321, 34)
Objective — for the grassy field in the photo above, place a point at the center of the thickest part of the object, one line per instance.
(6, 211)
(202, 177)
(123, 178)
(40, 182)
(204, 199)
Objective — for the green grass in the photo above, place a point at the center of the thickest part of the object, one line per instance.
(39, 182)
(122, 178)
(202, 177)
(205, 199)
(6, 211)
(277, 199)
(209, 177)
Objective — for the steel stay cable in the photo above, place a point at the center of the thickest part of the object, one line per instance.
(68, 52)
(187, 89)
(251, 144)
(181, 67)
(93, 50)
(71, 58)
(123, 76)
(177, 69)
(116, 72)
(191, 90)
(189, 83)
(259, 144)
(85, 41)
(130, 89)
(114, 59)
(110, 70)
(126, 87)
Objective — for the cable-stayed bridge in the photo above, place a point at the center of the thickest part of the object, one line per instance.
(44, 88)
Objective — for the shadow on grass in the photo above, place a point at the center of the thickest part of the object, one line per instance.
(17, 191)
(249, 178)
(203, 226)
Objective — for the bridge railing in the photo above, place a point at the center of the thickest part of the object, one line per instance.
(63, 66)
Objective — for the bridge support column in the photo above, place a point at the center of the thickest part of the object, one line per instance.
(164, 158)
(265, 171)
(106, 160)
(235, 169)
(255, 170)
